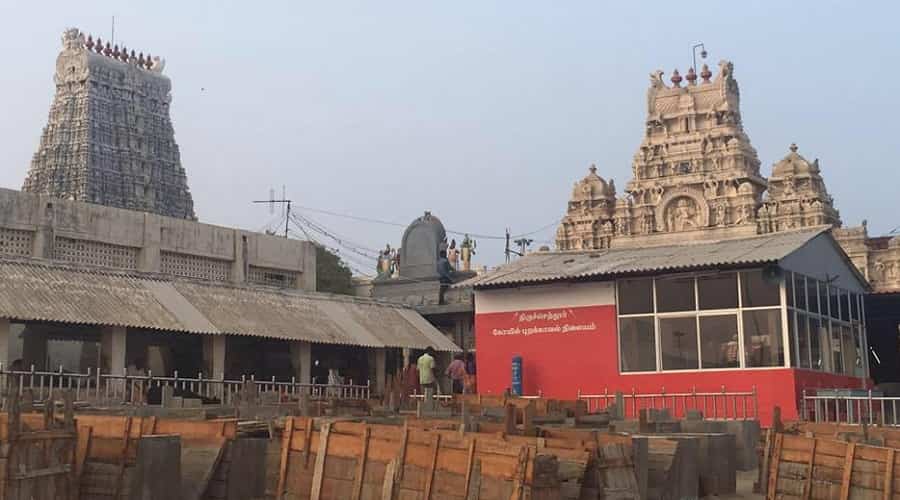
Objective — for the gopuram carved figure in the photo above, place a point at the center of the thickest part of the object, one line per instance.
(467, 251)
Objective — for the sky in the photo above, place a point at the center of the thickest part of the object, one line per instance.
(483, 112)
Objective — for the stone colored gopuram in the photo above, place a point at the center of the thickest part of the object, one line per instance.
(696, 176)
(109, 137)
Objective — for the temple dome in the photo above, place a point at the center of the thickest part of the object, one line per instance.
(794, 164)
(593, 187)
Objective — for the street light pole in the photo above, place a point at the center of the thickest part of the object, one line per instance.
(694, 54)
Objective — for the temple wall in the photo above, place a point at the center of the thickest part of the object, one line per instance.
(44, 227)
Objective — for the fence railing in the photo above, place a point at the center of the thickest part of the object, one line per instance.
(95, 387)
(850, 406)
(721, 405)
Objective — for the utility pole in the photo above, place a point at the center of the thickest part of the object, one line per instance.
(272, 201)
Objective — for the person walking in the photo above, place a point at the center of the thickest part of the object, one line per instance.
(425, 364)
(457, 373)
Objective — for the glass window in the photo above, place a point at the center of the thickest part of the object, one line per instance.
(803, 343)
(762, 338)
(817, 343)
(812, 295)
(638, 344)
(718, 291)
(636, 296)
(789, 288)
(759, 289)
(823, 299)
(845, 305)
(860, 352)
(850, 350)
(675, 294)
(854, 306)
(800, 291)
(678, 343)
(719, 341)
(834, 299)
(837, 358)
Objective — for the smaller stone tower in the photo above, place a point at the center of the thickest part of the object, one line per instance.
(796, 197)
(588, 222)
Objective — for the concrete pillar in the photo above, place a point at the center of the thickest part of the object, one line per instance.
(239, 266)
(5, 336)
(307, 279)
(148, 257)
(301, 359)
(112, 349)
(34, 348)
(380, 359)
(42, 246)
(214, 356)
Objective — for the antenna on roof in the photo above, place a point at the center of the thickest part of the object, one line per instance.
(112, 37)
(284, 203)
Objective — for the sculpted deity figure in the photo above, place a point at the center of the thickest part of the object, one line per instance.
(72, 39)
(467, 250)
(681, 215)
(721, 213)
(453, 254)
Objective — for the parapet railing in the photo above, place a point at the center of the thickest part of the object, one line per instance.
(721, 405)
(849, 406)
(95, 387)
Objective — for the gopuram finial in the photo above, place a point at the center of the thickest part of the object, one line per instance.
(691, 77)
(676, 78)
(794, 147)
(705, 73)
(90, 43)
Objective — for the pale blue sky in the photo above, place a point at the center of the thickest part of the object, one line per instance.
(483, 112)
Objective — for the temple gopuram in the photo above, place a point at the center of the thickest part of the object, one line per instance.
(109, 137)
(696, 176)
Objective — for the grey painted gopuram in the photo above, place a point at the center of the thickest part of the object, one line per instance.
(109, 137)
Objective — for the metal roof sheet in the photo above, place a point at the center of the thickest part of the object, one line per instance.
(35, 291)
(553, 266)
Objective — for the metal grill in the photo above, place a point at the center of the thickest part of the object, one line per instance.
(272, 277)
(95, 253)
(195, 266)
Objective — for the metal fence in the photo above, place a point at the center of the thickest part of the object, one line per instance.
(850, 406)
(99, 388)
(721, 405)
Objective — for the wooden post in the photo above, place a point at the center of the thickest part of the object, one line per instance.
(361, 470)
(807, 488)
(474, 486)
(319, 471)
(401, 459)
(521, 469)
(390, 473)
(777, 425)
(285, 456)
(889, 474)
(470, 462)
(307, 447)
(68, 409)
(773, 472)
(848, 471)
(429, 480)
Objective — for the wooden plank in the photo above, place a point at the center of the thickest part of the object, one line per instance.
(848, 471)
(429, 479)
(763, 476)
(319, 471)
(120, 478)
(82, 450)
(307, 440)
(361, 470)
(475, 482)
(521, 469)
(470, 462)
(390, 473)
(807, 488)
(773, 467)
(889, 475)
(285, 456)
(401, 457)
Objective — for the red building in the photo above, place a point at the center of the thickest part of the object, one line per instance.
(775, 313)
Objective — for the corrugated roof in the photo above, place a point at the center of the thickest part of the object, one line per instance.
(553, 266)
(33, 291)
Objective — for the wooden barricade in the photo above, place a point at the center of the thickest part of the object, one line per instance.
(813, 468)
(888, 437)
(107, 449)
(347, 460)
(36, 454)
